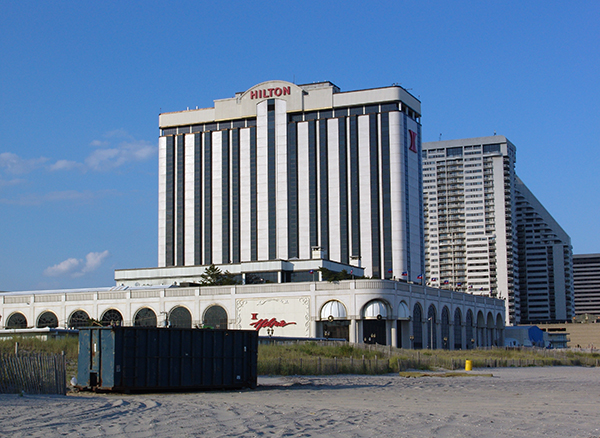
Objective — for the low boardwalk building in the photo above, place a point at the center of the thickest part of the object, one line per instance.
(385, 312)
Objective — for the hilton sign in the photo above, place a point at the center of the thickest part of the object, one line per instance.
(270, 92)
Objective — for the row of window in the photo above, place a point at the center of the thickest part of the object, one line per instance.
(179, 317)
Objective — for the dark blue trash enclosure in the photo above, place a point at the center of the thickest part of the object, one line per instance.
(126, 359)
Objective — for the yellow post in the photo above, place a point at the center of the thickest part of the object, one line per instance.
(468, 365)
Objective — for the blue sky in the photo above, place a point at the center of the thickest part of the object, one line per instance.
(82, 84)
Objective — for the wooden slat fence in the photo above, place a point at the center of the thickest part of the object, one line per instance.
(33, 374)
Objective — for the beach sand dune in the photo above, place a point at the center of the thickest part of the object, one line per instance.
(515, 402)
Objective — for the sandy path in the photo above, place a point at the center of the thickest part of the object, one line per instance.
(526, 402)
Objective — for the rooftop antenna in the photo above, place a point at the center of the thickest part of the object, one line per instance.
(440, 137)
(494, 132)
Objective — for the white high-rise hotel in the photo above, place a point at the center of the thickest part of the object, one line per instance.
(470, 214)
(281, 170)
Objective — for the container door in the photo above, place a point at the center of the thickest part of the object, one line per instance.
(95, 359)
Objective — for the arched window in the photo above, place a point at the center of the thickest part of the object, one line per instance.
(431, 328)
(145, 317)
(490, 330)
(375, 309)
(180, 317)
(78, 319)
(333, 310)
(215, 317)
(480, 327)
(112, 317)
(403, 312)
(469, 329)
(445, 328)
(16, 321)
(417, 327)
(457, 329)
(499, 330)
(47, 319)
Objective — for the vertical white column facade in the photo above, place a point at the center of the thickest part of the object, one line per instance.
(502, 267)
(303, 193)
(245, 195)
(217, 197)
(189, 200)
(262, 183)
(364, 171)
(162, 201)
(281, 160)
(399, 244)
(333, 153)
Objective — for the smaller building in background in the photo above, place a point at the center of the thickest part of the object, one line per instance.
(558, 337)
(525, 336)
(582, 335)
(545, 262)
(586, 282)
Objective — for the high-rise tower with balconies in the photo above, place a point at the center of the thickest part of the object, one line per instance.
(470, 218)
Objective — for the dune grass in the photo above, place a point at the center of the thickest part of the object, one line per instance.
(317, 358)
(313, 358)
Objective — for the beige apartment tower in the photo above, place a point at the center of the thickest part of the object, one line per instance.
(470, 218)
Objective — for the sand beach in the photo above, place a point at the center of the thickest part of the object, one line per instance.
(515, 402)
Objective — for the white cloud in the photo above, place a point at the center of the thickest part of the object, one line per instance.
(62, 268)
(12, 182)
(65, 165)
(109, 154)
(118, 133)
(13, 164)
(98, 143)
(71, 266)
(126, 152)
(93, 260)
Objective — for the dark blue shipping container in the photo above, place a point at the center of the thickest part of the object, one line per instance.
(126, 359)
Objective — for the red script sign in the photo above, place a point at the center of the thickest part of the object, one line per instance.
(269, 323)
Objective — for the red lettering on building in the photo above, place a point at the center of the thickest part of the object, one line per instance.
(270, 92)
(413, 140)
(269, 323)
(254, 316)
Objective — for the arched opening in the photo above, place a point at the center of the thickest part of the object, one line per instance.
(47, 319)
(16, 321)
(402, 325)
(457, 329)
(375, 314)
(145, 317)
(480, 341)
(490, 330)
(215, 317)
(180, 317)
(111, 317)
(469, 330)
(499, 330)
(445, 328)
(417, 322)
(431, 328)
(334, 320)
(79, 318)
